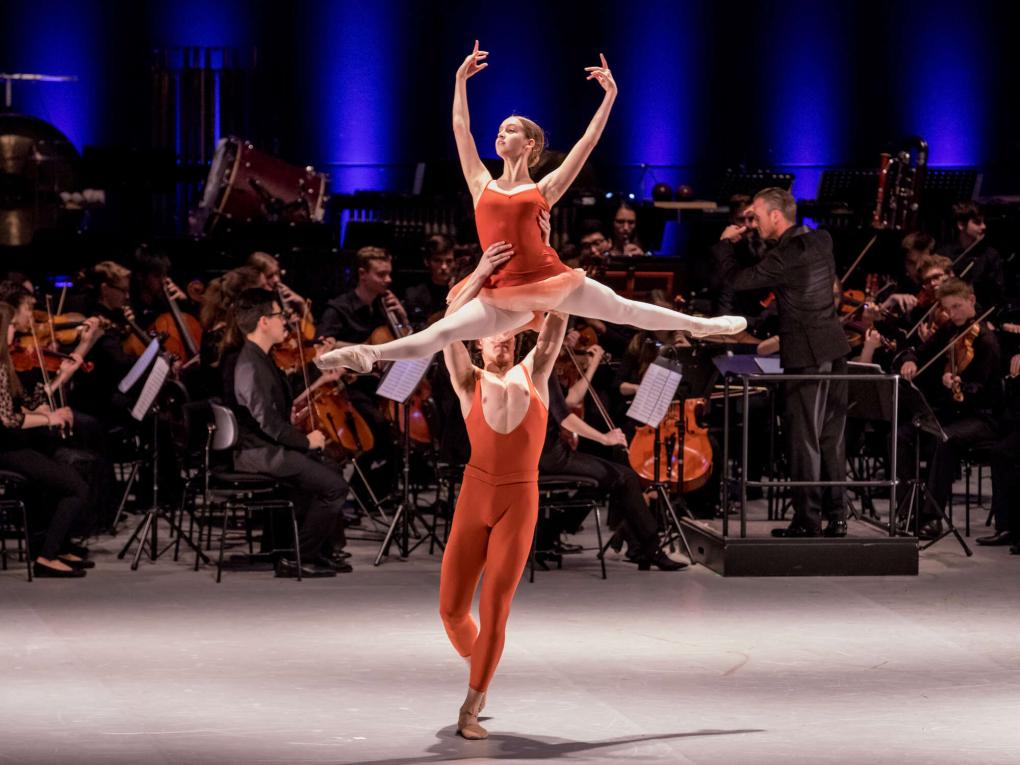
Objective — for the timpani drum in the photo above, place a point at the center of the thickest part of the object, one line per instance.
(246, 185)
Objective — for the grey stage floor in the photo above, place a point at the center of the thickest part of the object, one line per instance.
(164, 666)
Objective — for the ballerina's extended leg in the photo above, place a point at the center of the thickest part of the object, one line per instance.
(593, 300)
(472, 321)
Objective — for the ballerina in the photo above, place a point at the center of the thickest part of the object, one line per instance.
(533, 280)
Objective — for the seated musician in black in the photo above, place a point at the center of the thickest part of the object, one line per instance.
(971, 249)
(352, 318)
(628, 511)
(968, 423)
(426, 301)
(269, 443)
(57, 497)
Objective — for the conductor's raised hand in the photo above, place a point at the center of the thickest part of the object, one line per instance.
(473, 64)
(602, 75)
(495, 255)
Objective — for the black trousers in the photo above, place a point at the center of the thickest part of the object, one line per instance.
(943, 457)
(54, 490)
(627, 506)
(814, 420)
(317, 490)
(1005, 456)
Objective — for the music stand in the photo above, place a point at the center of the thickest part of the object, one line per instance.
(924, 420)
(156, 369)
(651, 402)
(399, 382)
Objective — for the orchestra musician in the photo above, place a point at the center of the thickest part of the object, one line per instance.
(966, 399)
(972, 249)
(800, 268)
(269, 443)
(625, 242)
(427, 300)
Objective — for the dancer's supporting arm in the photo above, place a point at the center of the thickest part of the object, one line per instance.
(475, 174)
(458, 360)
(555, 184)
(542, 358)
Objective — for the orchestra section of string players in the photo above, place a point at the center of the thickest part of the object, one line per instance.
(938, 312)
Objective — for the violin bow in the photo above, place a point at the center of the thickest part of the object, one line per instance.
(858, 260)
(975, 323)
(935, 305)
(44, 373)
(589, 389)
(294, 324)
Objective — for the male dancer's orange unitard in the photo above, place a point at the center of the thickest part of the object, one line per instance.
(504, 408)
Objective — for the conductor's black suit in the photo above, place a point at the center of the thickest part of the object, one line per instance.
(800, 269)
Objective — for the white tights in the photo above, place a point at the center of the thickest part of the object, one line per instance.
(591, 300)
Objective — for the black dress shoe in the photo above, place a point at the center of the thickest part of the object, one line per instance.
(796, 531)
(565, 548)
(76, 563)
(288, 569)
(835, 529)
(42, 571)
(81, 552)
(340, 566)
(662, 562)
(998, 538)
(1014, 550)
(542, 559)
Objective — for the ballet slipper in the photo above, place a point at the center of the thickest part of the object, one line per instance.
(720, 325)
(359, 358)
(468, 727)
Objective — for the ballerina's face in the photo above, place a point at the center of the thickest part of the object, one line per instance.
(512, 140)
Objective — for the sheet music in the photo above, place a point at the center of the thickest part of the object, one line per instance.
(136, 371)
(152, 387)
(769, 365)
(402, 378)
(655, 392)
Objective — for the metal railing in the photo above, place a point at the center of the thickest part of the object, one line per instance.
(765, 379)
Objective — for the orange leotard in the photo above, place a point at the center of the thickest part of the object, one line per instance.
(534, 279)
(493, 526)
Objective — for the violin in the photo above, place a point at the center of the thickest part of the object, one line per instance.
(182, 331)
(959, 357)
(697, 448)
(300, 331)
(136, 339)
(25, 358)
(331, 410)
(287, 356)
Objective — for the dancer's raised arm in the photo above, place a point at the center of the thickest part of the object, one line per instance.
(555, 184)
(547, 349)
(470, 163)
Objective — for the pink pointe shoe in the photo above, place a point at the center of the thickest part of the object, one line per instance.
(358, 358)
(720, 325)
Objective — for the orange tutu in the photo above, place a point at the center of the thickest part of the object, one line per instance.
(537, 297)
